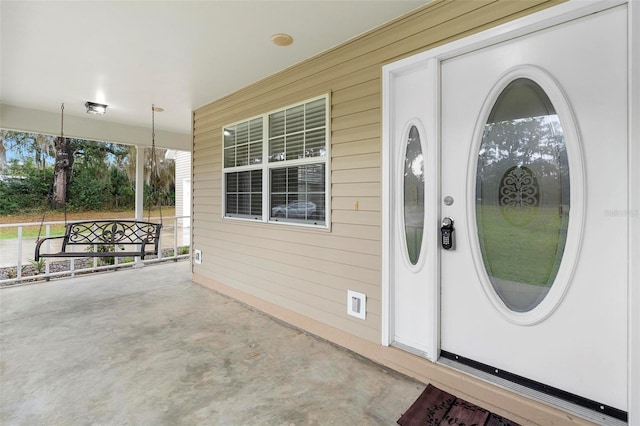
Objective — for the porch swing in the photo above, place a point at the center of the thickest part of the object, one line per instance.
(108, 238)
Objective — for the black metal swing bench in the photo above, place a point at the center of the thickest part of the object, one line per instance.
(105, 238)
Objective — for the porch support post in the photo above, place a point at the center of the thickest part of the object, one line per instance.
(139, 182)
(139, 192)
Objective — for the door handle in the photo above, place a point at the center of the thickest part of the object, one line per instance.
(446, 233)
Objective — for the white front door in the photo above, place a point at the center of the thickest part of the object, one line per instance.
(521, 140)
(534, 162)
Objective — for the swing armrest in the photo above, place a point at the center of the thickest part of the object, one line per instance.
(39, 242)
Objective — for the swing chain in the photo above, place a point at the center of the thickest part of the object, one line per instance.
(153, 176)
(49, 196)
(65, 154)
(62, 121)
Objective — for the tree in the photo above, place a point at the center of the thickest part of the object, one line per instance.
(120, 188)
(62, 171)
(91, 153)
(88, 173)
(24, 186)
(534, 142)
(159, 174)
(26, 144)
(3, 150)
(43, 145)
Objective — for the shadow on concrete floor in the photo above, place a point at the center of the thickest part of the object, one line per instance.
(149, 347)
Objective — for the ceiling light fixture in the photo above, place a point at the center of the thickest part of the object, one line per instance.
(281, 39)
(95, 108)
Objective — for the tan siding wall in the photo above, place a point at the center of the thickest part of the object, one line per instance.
(309, 271)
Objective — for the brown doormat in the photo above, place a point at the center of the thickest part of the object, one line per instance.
(437, 407)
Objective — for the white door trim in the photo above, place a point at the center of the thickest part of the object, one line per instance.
(634, 211)
(549, 17)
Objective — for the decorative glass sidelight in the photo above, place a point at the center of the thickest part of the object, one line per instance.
(413, 195)
(522, 195)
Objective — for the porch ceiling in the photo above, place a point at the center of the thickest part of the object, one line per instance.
(179, 55)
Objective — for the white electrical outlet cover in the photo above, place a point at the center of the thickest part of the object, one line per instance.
(197, 256)
(356, 304)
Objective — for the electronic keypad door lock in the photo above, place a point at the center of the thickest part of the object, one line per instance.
(446, 233)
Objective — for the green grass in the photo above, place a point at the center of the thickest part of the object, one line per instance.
(30, 232)
(529, 253)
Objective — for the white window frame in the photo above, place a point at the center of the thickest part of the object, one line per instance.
(267, 168)
(237, 169)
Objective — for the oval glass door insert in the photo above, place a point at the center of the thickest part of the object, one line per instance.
(522, 195)
(413, 195)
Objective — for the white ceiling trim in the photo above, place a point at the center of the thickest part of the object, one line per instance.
(89, 127)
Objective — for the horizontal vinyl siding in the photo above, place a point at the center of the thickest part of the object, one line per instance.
(307, 270)
(182, 172)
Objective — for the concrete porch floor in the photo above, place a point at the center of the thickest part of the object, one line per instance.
(149, 347)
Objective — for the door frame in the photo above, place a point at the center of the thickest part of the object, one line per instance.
(546, 18)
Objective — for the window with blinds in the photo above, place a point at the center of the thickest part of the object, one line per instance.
(242, 169)
(298, 132)
(275, 165)
(243, 143)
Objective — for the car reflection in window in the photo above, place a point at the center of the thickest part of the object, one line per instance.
(295, 210)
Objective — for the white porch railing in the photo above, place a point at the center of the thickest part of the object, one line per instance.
(17, 264)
